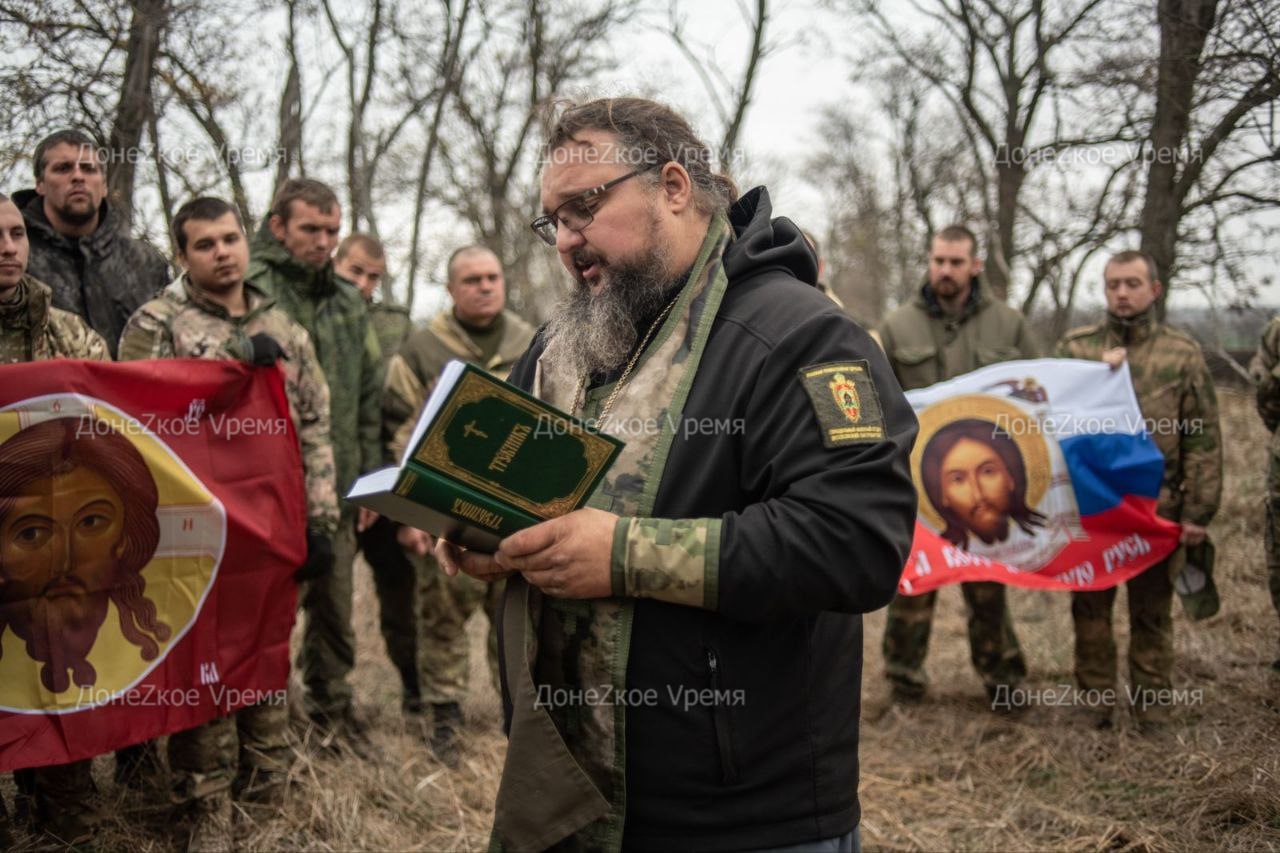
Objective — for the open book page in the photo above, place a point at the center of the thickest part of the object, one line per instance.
(444, 387)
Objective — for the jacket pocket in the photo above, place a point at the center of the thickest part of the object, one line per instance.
(912, 356)
(915, 367)
(720, 721)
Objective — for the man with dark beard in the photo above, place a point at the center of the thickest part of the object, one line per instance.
(953, 326)
(80, 245)
(681, 659)
(476, 328)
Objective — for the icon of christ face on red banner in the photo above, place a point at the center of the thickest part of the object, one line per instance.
(71, 543)
(152, 516)
(82, 521)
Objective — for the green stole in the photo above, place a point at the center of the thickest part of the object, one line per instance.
(564, 781)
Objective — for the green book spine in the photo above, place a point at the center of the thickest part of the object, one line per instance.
(420, 484)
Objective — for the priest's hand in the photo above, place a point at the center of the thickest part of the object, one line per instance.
(566, 557)
(453, 559)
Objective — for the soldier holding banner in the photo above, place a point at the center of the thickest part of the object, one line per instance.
(31, 329)
(953, 326)
(1175, 393)
(211, 311)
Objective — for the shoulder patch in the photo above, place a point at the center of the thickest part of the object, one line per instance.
(845, 401)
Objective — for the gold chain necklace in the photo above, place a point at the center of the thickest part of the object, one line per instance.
(579, 400)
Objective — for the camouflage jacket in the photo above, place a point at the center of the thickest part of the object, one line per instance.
(391, 325)
(31, 329)
(1265, 370)
(926, 345)
(335, 316)
(183, 323)
(1176, 396)
(103, 277)
(412, 372)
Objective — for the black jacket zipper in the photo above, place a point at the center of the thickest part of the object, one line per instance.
(720, 721)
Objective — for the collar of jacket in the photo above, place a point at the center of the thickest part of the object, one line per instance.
(99, 243)
(316, 282)
(977, 300)
(1132, 330)
(29, 306)
(183, 291)
(446, 327)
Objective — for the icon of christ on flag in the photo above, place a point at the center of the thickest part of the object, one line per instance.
(1037, 474)
(151, 518)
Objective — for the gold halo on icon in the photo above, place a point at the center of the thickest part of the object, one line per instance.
(178, 576)
(1021, 425)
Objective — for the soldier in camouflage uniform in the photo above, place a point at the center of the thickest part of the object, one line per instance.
(1176, 396)
(211, 311)
(80, 245)
(361, 260)
(1265, 369)
(479, 329)
(952, 327)
(290, 262)
(80, 248)
(31, 329)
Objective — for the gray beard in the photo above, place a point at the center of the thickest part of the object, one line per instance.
(596, 333)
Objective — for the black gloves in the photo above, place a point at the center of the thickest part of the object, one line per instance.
(319, 560)
(264, 350)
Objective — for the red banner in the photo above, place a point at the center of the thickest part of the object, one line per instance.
(151, 517)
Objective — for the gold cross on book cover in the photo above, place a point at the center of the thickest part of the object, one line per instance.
(485, 460)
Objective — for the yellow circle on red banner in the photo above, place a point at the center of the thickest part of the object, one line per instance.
(1003, 415)
(109, 545)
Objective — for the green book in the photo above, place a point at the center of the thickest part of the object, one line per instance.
(485, 460)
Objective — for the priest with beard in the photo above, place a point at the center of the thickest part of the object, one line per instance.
(681, 658)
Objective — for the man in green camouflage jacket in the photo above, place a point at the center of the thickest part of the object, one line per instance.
(1180, 410)
(362, 260)
(31, 329)
(1265, 369)
(290, 262)
(212, 312)
(476, 328)
(952, 327)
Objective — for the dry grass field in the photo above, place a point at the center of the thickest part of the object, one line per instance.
(947, 774)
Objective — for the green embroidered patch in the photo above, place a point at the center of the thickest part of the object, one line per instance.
(845, 401)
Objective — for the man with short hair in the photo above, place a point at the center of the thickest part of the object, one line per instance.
(953, 326)
(361, 259)
(1176, 395)
(211, 311)
(476, 328)
(682, 657)
(80, 246)
(1265, 370)
(290, 262)
(32, 329)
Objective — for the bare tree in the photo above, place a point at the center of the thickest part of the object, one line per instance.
(729, 98)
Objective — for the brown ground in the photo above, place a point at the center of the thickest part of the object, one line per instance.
(947, 774)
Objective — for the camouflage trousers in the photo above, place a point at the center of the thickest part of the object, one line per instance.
(63, 795)
(993, 646)
(328, 651)
(1150, 597)
(395, 580)
(246, 752)
(444, 605)
(1271, 532)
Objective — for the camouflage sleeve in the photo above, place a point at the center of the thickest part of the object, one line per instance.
(370, 414)
(146, 335)
(1201, 445)
(1265, 370)
(403, 395)
(310, 396)
(676, 561)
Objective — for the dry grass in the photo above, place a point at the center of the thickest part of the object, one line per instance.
(947, 774)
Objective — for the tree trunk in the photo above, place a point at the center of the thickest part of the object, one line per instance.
(1184, 28)
(134, 106)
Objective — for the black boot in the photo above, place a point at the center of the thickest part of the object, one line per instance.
(444, 732)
